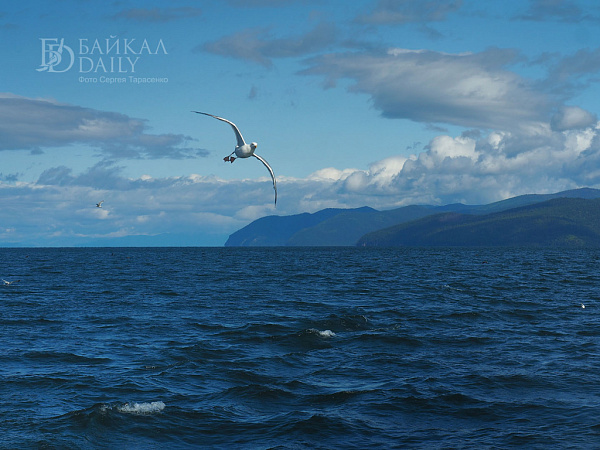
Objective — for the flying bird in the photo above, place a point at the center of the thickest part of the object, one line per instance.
(99, 204)
(243, 150)
(8, 283)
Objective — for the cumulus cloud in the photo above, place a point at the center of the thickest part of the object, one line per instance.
(469, 89)
(475, 170)
(331, 173)
(259, 46)
(34, 124)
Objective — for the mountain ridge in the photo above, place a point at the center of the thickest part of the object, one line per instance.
(346, 227)
(558, 222)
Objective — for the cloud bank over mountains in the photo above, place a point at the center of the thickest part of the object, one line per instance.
(464, 169)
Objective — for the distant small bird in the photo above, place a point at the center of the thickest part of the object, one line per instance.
(583, 306)
(8, 283)
(243, 150)
(99, 205)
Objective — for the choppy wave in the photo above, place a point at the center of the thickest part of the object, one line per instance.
(320, 348)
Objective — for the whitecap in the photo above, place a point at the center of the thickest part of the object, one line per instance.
(326, 333)
(141, 408)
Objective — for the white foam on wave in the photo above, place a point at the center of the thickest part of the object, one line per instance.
(326, 333)
(142, 408)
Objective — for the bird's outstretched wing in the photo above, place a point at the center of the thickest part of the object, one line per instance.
(270, 171)
(238, 135)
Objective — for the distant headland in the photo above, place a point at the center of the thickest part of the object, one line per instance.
(564, 219)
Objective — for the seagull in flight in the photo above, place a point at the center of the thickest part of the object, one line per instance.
(243, 150)
(99, 204)
(8, 283)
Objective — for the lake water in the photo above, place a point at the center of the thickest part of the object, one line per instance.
(293, 348)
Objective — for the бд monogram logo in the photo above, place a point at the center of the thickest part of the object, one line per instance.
(56, 57)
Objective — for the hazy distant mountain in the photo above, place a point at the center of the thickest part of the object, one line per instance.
(277, 230)
(328, 227)
(573, 222)
(344, 227)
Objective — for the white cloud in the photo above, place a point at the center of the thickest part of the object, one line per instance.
(447, 147)
(467, 89)
(572, 117)
(384, 171)
(33, 124)
(331, 173)
(468, 170)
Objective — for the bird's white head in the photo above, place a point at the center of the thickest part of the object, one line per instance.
(253, 145)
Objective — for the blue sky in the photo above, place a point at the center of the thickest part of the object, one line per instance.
(382, 103)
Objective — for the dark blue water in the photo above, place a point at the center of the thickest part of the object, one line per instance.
(299, 348)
